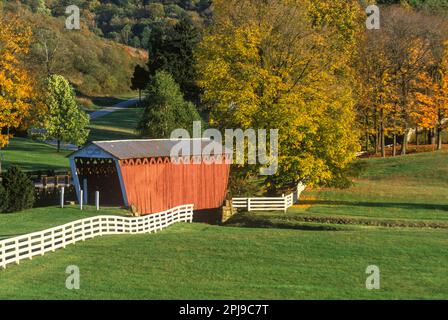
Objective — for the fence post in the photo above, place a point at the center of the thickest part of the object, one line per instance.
(62, 196)
(285, 203)
(101, 225)
(42, 243)
(29, 248)
(83, 236)
(97, 200)
(81, 196)
(3, 255)
(52, 240)
(86, 192)
(248, 204)
(64, 235)
(17, 251)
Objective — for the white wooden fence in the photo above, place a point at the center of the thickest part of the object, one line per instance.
(27, 246)
(269, 203)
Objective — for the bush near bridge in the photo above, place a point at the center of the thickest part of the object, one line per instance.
(17, 192)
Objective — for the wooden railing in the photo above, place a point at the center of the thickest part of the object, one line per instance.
(269, 203)
(13, 250)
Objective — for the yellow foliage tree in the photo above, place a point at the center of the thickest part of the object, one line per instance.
(282, 64)
(15, 85)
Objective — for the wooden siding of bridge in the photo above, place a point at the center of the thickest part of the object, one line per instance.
(157, 184)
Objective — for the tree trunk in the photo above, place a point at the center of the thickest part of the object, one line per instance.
(59, 145)
(139, 96)
(433, 136)
(367, 134)
(416, 136)
(404, 146)
(367, 141)
(383, 142)
(394, 147)
(375, 125)
(439, 138)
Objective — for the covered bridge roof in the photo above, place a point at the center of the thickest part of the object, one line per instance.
(134, 149)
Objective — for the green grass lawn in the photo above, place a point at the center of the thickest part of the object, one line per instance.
(115, 126)
(319, 251)
(194, 261)
(32, 155)
(411, 187)
(37, 219)
(91, 104)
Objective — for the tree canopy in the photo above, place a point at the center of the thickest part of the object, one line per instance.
(16, 88)
(64, 120)
(259, 70)
(165, 108)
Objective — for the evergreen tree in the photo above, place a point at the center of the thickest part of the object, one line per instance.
(172, 50)
(17, 191)
(165, 108)
(139, 80)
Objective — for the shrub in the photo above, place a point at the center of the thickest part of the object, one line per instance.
(2, 197)
(18, 191)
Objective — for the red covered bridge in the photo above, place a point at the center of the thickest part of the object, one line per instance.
(143, 173)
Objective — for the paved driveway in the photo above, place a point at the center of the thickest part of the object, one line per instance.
(107, 110)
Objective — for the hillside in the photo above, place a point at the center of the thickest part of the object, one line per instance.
(127, 21)
(94, 65)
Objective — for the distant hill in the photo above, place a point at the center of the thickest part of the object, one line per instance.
(126, 21)
(94, 65)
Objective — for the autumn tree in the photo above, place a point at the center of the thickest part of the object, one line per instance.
(282, 64)
(411, 37)
(15, 83)
(392, 66)
(432, 99)
(64, 121)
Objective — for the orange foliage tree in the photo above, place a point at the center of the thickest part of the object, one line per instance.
(16, 88)
(431, 110)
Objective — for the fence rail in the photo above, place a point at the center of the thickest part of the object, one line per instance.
(13, 250)
(269, 203)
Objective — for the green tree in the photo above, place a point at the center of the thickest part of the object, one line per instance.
(139, 80)
(64, 121)
(17, 191)
(258, 70)
(37, 6)
(172, 50)
(165, 108)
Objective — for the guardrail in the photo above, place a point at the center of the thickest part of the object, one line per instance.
(13, 250)
(269, 203)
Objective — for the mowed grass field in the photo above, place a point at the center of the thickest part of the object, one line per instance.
(209, 262)
(116, 126)
(412, 187)
(32, 155)
(264, 255)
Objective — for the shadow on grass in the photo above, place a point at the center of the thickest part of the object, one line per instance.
(246, 220)
(425, 206)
